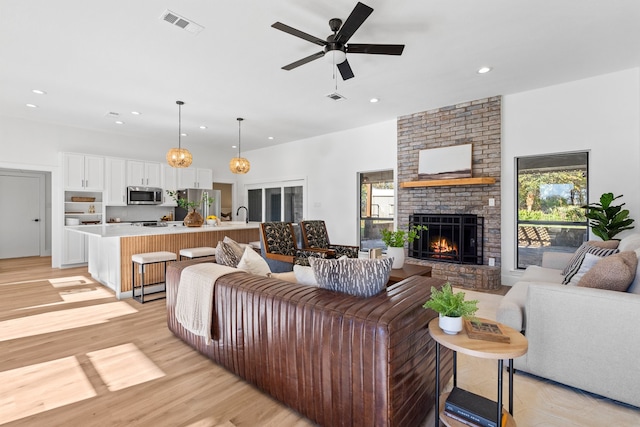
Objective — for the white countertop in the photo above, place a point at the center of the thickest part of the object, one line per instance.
(127, 230)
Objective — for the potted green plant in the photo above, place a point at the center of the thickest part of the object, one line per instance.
(606, 220)
(193, 218)
(395, 241)
(451, 307)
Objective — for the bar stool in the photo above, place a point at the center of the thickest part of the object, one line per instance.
(196, 252)
(143, 260)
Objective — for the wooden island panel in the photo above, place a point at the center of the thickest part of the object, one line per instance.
(131, 245)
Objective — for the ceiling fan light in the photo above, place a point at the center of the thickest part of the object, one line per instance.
(336, 56)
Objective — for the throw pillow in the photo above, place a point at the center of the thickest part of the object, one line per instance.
(359, 277)
(579, 253)
(253, 263)
(304, 275)
(589, 261)
(614, 273)
(225, 255)
(238, 248)
(576, 261)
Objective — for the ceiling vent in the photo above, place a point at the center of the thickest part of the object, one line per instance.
(335, 96)
(181, 22)
(112, 115)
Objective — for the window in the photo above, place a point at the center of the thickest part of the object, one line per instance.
(377, 207)
(551, 189)
(282, 201)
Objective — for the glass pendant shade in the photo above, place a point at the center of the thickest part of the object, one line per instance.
(179, 157)
(239, 164)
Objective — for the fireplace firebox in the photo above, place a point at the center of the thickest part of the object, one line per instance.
(449, 238)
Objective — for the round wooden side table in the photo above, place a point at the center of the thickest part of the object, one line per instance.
(460, 342)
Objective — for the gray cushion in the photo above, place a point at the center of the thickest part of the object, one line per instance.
(511, 310)
(634, 287)
(359, 277)
(630, 242)
(534, 273)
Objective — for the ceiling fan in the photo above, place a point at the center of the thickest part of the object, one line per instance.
(336, 43)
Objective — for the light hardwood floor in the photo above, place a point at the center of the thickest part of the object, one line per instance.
(73, 355)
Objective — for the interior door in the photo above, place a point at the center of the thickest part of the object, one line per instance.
(20, 218)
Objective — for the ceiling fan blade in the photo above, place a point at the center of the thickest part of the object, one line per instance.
(345, 70)
(290, 30)
(303, 61)
(359, 14)
(376, 49)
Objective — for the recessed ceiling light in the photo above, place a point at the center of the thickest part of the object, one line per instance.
(136, 113)
(184, 134)
(270, 137)
(203, 127)
(39, 92)
(484, 70)
(32, 106)
(234, 146)
(374, 100)
(119, 122)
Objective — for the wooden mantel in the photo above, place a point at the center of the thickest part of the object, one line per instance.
(448, 182)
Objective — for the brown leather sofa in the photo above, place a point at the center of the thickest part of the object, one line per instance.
(337, 359)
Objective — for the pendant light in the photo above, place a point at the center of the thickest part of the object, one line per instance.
(239, 164)
(179, 157)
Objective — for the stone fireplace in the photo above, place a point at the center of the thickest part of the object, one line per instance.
(449, 238)
(477, 123)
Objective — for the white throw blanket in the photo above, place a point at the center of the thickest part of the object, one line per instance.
(194, 303)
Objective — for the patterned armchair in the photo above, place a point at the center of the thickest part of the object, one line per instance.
(315, 236)
(279, 247)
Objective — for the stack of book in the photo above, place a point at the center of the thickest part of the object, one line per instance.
(471, 409)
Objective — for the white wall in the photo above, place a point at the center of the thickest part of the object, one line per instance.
(600, 114)
(330, 164)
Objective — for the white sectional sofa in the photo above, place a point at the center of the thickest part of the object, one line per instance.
(582, 337)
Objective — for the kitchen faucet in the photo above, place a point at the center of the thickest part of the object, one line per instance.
(246, 213)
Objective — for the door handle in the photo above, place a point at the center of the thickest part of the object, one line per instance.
(37, 219)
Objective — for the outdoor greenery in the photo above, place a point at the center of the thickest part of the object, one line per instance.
(448, 303)
(606, 220)
(184, 204)
(397, 239)
(533, 205)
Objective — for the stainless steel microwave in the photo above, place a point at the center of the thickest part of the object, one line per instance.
(144, 196)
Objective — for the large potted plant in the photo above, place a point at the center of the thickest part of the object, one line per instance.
(451, 307)
(606, 220)
(193, 218)
(395, 241)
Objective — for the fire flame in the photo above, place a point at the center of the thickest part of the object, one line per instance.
(442, 246)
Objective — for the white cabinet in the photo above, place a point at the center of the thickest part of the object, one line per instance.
(204, 178)
(115, 182)
(75, 248)
(83, 172)
(145, 174)
(169, 183)
(195, 178)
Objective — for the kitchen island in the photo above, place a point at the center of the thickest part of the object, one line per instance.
(110, 247)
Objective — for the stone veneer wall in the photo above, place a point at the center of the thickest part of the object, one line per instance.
(479, 123)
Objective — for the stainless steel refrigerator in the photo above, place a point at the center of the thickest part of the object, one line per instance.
(194, 194)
